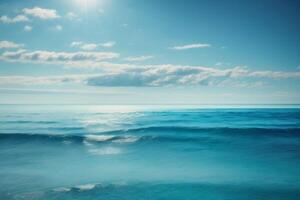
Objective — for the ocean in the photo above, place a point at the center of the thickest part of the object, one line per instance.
(83, 152)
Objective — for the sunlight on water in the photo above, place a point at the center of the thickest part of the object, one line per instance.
(56, 152)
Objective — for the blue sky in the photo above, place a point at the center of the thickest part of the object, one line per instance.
(149, 52)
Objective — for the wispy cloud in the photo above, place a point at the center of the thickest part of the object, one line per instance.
(92, 46)
(76, 44)
(58, 27)
(64, 91)
(72, 16)
(223, 64)
(84, 46)
(27, 28)
(52, 57)
(89, 47)
(9, 45)
(18, 18)
(41, 13)
(41, 80)
(108, 44)
(138, 58)
(191, 46)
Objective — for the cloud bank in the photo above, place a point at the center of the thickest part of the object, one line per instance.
(158, 76)
(130, 74)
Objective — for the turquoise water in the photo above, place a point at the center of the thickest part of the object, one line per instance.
(149, 152)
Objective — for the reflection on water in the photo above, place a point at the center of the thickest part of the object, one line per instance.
(142, 152)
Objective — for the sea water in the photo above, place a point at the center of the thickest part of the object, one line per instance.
(149, 152)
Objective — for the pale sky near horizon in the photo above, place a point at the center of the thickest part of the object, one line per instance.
(150, 52)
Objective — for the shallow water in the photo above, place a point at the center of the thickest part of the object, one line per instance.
(148, 152)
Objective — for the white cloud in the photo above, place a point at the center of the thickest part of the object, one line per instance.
(132, 75)
(58, 27)
(27, 28)
(18, 18)
(41, 13)
(158, 76)
(84, 46)
(273, 74)
(223, 64)
(154, 76)
(9, 45)
(76, 44)
(72, 16)
(41, 80)
(52, 57)
(190, 46)
(5, 80)
(108, 44)
(138, 58)
(170, 75)
(97, 60)
(91, 46)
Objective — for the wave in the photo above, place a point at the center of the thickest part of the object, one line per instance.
(99, 138)
(62, 189)
(156, 134)
(112, 138)
(217, 130)
(27, 122)
(84, 187)
(162, 186)
(126, 139)
(89, 186)
(66, 128)
(87, 140)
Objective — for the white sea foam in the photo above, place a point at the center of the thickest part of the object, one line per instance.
(85, 187)
(105, 151)
(127, 139)
(67, 142)
(99, 138)
(62, 189)
(86, 143)
(92, 122)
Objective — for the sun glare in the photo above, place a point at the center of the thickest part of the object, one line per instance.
(87, 4)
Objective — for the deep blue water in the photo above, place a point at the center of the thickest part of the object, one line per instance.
(148, 152)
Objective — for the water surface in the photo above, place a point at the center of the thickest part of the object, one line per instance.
(149, 152)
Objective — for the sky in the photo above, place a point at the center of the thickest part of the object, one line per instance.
(149, 52)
